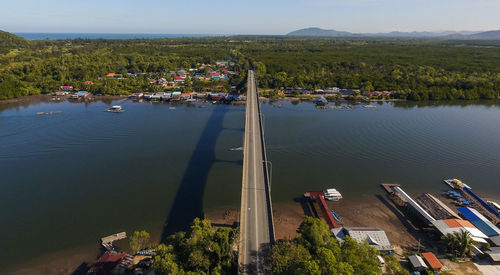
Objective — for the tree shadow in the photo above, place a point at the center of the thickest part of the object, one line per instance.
(188, 203)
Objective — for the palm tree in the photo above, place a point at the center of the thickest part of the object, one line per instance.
(459, 243)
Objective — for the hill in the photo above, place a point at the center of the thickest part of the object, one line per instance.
(466, 35)
(9, 41)
(489, 35)
(320, 33)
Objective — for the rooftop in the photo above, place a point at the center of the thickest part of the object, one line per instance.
(432, 260)
(417, 261)
(450, 226)
(376, 237)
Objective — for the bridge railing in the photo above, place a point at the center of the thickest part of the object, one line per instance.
(266, 165)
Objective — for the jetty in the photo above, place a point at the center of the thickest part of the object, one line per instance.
(107, 242)
(325, 210)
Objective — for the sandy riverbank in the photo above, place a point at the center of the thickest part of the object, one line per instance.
(368, 210)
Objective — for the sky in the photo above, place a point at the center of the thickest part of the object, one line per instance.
(246, 16)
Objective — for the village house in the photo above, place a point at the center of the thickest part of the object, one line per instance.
(347, 92)
(432, 261)
(222, 63)
(81, 95)
(417, 263)
(332, 90)
(109, 262)
(375, 237)
(182, 73)
(67, 88)
(179, 79)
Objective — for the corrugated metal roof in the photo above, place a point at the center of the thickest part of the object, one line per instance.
(444, 228)
(495, 240)
(481, 222)
(415, 205)
(494, 253)
(374, 236)
(416, 261)
(432, 260)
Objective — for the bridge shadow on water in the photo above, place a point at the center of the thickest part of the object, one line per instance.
(188, 203)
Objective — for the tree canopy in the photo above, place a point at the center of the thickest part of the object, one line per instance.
(316, 251)
(198, 250)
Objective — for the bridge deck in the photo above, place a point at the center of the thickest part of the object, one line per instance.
(256, 225)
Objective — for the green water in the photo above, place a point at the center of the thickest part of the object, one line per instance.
(75, 176)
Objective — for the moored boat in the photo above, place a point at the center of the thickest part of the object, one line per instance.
(335, 216)
(332, 194)
(321, 101)
(115, 109)
(456, 183)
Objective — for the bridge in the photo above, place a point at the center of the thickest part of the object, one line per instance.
(256, 220)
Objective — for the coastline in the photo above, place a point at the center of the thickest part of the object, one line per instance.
(366, 210)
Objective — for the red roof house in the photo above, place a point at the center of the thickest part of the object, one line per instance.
(67, 88)
(106, 263)
(433, 262)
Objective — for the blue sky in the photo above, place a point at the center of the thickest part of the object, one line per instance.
(247, 17)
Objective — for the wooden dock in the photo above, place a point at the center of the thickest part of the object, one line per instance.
(327, 214)
(388, 187)
(107, 242)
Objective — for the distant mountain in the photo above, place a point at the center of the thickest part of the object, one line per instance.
(9, 41)
(320, 33)
(489, 35)
(317, 32)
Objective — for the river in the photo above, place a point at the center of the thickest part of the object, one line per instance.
(77, 174)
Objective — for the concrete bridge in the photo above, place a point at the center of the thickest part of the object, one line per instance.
(256, 221)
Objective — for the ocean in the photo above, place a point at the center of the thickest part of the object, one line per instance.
(57, 36)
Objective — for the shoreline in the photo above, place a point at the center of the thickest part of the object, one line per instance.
(366, 210)
(48, 97)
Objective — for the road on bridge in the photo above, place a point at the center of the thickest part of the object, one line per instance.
(256, 225)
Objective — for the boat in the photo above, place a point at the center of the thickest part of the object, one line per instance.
(456, 184)
(332, 194)
(321, 101)
(115, 109)
(335, 216)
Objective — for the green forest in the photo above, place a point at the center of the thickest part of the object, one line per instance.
(204, 250)
(414, 69)
(316, 251)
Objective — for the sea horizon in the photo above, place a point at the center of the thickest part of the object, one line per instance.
(77, 35)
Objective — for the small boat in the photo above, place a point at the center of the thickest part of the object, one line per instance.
(321, 101)
(335, 216)
(115, 109)
(456, 184)
(189, 100)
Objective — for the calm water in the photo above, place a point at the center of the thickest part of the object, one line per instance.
(55, 36)
(75, 176)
